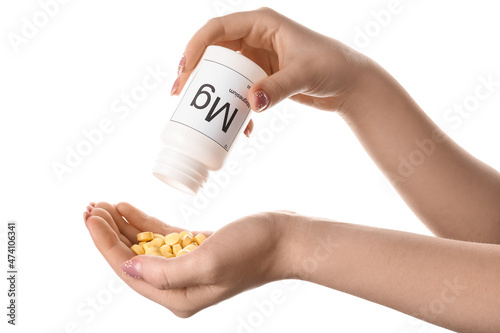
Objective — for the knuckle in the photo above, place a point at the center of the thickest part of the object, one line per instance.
(287, 212)
(267, 10)
(214, 22)
(282, 215)
(280, 87)
(183, 313)
(189, 307)
(265, 216)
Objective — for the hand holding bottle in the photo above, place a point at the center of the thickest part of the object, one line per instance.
(308, 67)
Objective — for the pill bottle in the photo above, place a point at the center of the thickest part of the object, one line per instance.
(212, 113)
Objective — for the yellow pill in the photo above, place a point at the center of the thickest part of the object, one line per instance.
(200, 238)
(148, 245)
(157, 242)
(165, 249)
(184, 233)
(186, 240)
(190, 247)
(142, 243)
(137, 249)
(172, 239)
(169, 255)
(155, 235)
(176, 248)
(145, 236)
(181, 252)
(153, 251)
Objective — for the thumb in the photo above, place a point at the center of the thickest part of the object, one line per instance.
(165, 273)
(277, 87)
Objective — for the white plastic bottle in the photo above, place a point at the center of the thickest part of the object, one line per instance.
(212, 112)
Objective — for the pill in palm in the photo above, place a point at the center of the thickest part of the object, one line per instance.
(153, 251)
(157, 242)
(184, 233)
(155, 235)
(200, 238)
(147, 245)
(165, 249)
(137, 249)
(181, 252)
(176, 248)
(191, 247)
(172, 239)
(145, 236)
(169, 246)
(186, 240)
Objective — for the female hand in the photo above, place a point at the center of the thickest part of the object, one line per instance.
(242, 255)
(308, 67)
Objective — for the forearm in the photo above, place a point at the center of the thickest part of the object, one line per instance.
(445, 282)
(453, 193)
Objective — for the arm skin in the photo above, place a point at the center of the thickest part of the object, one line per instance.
(453, 193)
(450, 283)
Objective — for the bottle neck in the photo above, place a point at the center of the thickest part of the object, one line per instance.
(180, 171)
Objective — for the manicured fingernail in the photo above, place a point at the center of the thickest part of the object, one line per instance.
(246, 132)
(92, 204)
(174, 87)
(261, 100)
(132, 268)
(182, 64)
(86, 215)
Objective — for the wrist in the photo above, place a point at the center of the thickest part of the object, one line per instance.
(311, 244)
(291, 247)
(369, 81)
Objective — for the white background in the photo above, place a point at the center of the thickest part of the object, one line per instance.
(65, 79)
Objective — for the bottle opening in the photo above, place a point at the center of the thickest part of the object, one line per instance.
(175, 184)
(180, 171)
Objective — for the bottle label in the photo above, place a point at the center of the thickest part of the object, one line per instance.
(215, 103)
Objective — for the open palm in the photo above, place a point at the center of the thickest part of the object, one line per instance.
(239, 256)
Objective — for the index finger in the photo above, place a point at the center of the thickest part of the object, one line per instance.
(227, 31)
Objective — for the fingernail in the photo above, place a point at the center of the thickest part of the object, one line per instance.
(89, 208)
(182, 64)
(92, 204)
(246, 132)
(86, 215)
(261, 100)
(174, 87)
(132, 268)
